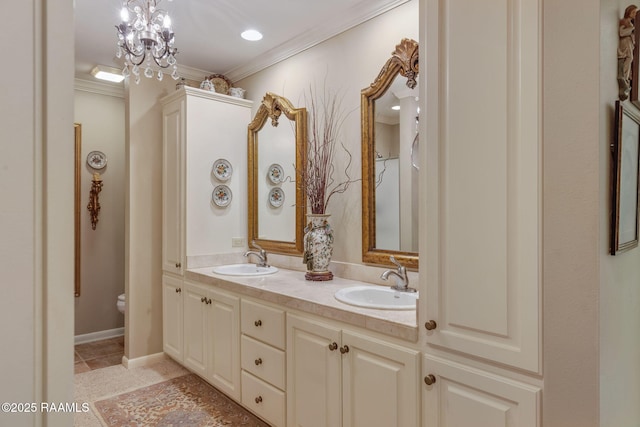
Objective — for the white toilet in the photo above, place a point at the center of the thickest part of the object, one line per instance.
(121, 303)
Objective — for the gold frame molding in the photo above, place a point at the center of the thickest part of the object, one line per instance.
(272, 107)
(404, 62)
(77, 131)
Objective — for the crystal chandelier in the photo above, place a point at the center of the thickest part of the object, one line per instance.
(145, 38)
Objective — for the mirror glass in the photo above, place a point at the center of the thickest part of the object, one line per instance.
(390, 147)
(277, 144)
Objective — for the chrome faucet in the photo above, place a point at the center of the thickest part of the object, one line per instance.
(402, 280)
(262, 255)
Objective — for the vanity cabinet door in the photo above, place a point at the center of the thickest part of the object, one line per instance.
(380, 383)
(173, 198)
(172, 317)
(195, 327)
(464, 396)
(484, 183)
(223, 342)
(314, 379)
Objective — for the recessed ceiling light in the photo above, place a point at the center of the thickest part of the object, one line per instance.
(251, 35)
(395, 107)
(107, 73)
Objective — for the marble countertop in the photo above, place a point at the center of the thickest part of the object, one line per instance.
(289, 289)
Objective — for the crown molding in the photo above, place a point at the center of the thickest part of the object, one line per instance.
(365, 10)
(108, 89)
(191, 73)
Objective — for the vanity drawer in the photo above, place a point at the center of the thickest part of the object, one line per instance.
(263, 361)
(263, 323)
(263, 399)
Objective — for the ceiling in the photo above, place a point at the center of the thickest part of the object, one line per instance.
(208, 31)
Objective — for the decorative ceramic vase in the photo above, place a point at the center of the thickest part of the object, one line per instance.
(318, 247)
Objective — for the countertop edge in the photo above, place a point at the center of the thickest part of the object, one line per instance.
(368, 319)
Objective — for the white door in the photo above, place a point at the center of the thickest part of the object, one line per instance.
(380, 383)
(223, 342)
(466, 397)
(195, 326)
(172, 317)
(313, 374)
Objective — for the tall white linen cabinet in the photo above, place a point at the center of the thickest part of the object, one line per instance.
(481, 268)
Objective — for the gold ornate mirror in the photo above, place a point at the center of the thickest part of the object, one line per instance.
(276, 155)
(389, 170)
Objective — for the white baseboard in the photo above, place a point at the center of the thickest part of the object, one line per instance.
(143, 361)
(100, 335)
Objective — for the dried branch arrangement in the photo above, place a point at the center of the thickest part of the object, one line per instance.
(326, 117)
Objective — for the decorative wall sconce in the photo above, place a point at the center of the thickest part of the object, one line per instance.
(94, 203)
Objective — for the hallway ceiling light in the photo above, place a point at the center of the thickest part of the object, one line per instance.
(107, 73)
(145, 34)
(251, 35)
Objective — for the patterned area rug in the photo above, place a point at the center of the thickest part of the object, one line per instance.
(184, 401)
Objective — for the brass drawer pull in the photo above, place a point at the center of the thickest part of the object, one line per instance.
(429, 379)
(178, 290)
(258, 323)
(344, 349)
(258, 399)
(431, 325)
(178, 265)
(258, 361)
(203, 299)
(333, 346)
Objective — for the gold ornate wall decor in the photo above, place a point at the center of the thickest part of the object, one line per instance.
(403, 62)
(94, 201)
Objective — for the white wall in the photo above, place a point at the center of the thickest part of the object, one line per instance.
(346, 63)
(619, 275)
(216, 130)
(100, 111)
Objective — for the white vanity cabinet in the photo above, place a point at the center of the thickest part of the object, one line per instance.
(172, 318)
(212, 336)
(263, 361)
(338, 377)
(482, 212)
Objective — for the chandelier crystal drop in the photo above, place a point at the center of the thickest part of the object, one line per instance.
(145, 39)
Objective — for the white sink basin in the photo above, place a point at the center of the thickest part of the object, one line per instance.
(244, 270)
(377, 297)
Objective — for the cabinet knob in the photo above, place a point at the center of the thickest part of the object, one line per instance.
(333, 346)
(207, 300)
(258, 323)
(344, 349)
(430, 379)
(203, 299)
(178, 290)
(258, 361)
(178, 264)
(431, 325)
(258, 399)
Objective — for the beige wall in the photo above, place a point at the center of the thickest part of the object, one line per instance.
(619, 284)
(571, 213)
(143, 216)
(36, 213)
(346, 63)
(102, 250)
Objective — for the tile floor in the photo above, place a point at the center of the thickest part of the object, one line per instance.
(98, 354)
